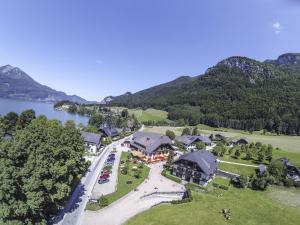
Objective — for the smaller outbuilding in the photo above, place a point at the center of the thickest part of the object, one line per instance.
(189, 141)
(241, 141)
(220, 137)
(92, 141)
(292, 171)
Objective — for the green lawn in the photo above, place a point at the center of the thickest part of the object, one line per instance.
(237, 169)
(221, 180)
(163, 129)
(123, 188)
(149, 114)
(247, 207)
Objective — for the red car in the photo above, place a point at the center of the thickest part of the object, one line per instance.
(105, 176)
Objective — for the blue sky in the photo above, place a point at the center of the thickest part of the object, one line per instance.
(96, 48)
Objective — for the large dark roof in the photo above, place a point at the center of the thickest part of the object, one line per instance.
(204, 159)
(149, 142)
(189, 139)
(91, 137)
(111, 132)
(108, 130)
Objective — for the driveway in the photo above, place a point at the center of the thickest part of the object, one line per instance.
(135, 202)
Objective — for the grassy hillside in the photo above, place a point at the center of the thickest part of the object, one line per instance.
(145, 115)
(149, 114)
(247, 207)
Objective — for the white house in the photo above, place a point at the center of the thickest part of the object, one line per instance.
(92, 141)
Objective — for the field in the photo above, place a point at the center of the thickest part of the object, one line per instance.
(247, 207)
(288, 143)
(145, 115)
(149, 114)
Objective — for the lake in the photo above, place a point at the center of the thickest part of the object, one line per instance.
(18, 106)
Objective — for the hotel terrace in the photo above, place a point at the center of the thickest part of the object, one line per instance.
(151, 147)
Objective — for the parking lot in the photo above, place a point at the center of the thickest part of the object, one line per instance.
(110, 186)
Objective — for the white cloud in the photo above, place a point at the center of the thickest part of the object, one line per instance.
(277, 27)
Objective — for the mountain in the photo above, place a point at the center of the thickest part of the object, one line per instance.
(16, 84)
(286, 59)
(237, 92)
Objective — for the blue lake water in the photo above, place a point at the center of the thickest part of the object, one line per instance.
(18, 106)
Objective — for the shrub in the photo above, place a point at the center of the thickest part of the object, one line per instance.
(103, 201)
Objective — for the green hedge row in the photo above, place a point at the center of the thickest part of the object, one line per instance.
(171, 177)
(226, 188)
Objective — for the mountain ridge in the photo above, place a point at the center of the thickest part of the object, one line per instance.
(238, 92)
(16, 84)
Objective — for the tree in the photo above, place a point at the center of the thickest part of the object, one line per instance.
(170, 134)
(125, 113)
(244, 181)
(237, 153)
(96, 120)
(260, 156)
(269, 153)
(195, 131)
(38, 170)
(276, 168)
(186, 131)
(25, 118)
(200, 145)
(9, 122)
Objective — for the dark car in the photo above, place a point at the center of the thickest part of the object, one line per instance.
(109, 162)
(103, 181)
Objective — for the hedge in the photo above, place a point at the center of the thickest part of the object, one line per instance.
(171, 177)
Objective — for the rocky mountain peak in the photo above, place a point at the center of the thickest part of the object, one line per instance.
(252, 68)
(286, 59)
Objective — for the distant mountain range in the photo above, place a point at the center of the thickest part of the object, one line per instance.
(16, 84)
(238, 92)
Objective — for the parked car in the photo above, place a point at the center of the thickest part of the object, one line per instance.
(104, 176)
(109, 162)
(106, 172)
(103, 181)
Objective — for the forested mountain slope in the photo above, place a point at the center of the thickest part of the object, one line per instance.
(238, 92)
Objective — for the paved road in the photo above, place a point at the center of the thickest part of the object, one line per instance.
(132, 204)
(72, 214)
